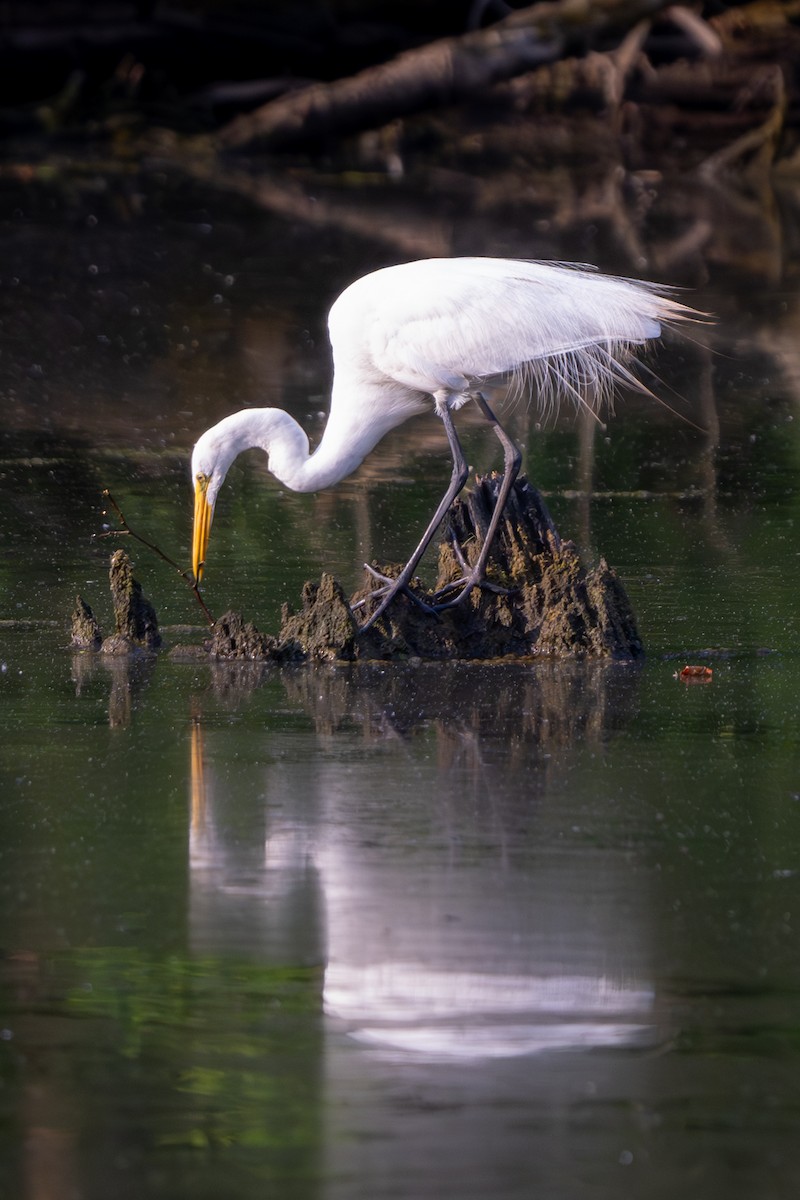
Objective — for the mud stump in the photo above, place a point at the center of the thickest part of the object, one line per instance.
(545, 602)
(234, 638)
(85, 629)
(135, 620)
(325, 628)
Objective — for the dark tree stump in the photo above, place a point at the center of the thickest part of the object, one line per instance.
(556, 606)
(549, 603)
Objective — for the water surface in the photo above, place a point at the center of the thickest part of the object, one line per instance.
(383, 931)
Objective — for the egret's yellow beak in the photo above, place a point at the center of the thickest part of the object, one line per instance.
(203, 514)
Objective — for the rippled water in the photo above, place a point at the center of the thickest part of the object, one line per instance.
(369, 931)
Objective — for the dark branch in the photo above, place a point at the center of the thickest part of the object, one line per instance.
(126, 529)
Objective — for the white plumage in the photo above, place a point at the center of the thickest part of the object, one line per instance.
(450, 323)
(434, 332)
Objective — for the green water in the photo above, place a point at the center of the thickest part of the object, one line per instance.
(368, 932)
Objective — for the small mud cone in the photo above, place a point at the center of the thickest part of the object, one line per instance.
(135, 620)
(235, 638)
(85, 628)
(325, 628)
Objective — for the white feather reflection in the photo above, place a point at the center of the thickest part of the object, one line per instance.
(466, 1015)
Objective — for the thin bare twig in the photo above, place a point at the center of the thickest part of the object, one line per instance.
(126, 529)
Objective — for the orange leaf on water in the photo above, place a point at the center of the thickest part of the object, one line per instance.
(696, 674)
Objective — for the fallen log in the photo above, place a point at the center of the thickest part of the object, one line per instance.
(439, 73)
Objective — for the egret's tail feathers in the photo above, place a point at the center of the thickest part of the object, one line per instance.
(589, 376)
(590, 373)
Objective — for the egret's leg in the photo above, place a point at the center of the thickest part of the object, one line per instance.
(457, 480)
(512, 460)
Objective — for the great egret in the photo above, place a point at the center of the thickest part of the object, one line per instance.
(429, 334)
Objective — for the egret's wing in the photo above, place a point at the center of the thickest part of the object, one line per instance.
(445, 324)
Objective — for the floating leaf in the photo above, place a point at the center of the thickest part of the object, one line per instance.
(696, 675)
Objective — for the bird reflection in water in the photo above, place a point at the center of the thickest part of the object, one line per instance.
(440, 942)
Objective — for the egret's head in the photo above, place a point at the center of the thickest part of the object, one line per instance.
(210, 461)
(213, 454)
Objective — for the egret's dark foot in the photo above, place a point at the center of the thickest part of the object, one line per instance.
(466, 584)
(391, 588)
(471, 578)
(386, 594)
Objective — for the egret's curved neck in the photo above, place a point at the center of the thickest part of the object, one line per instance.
(362, 411)
(290, 460)
(286, 445)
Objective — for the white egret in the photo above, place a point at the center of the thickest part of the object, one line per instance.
(428, 335)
